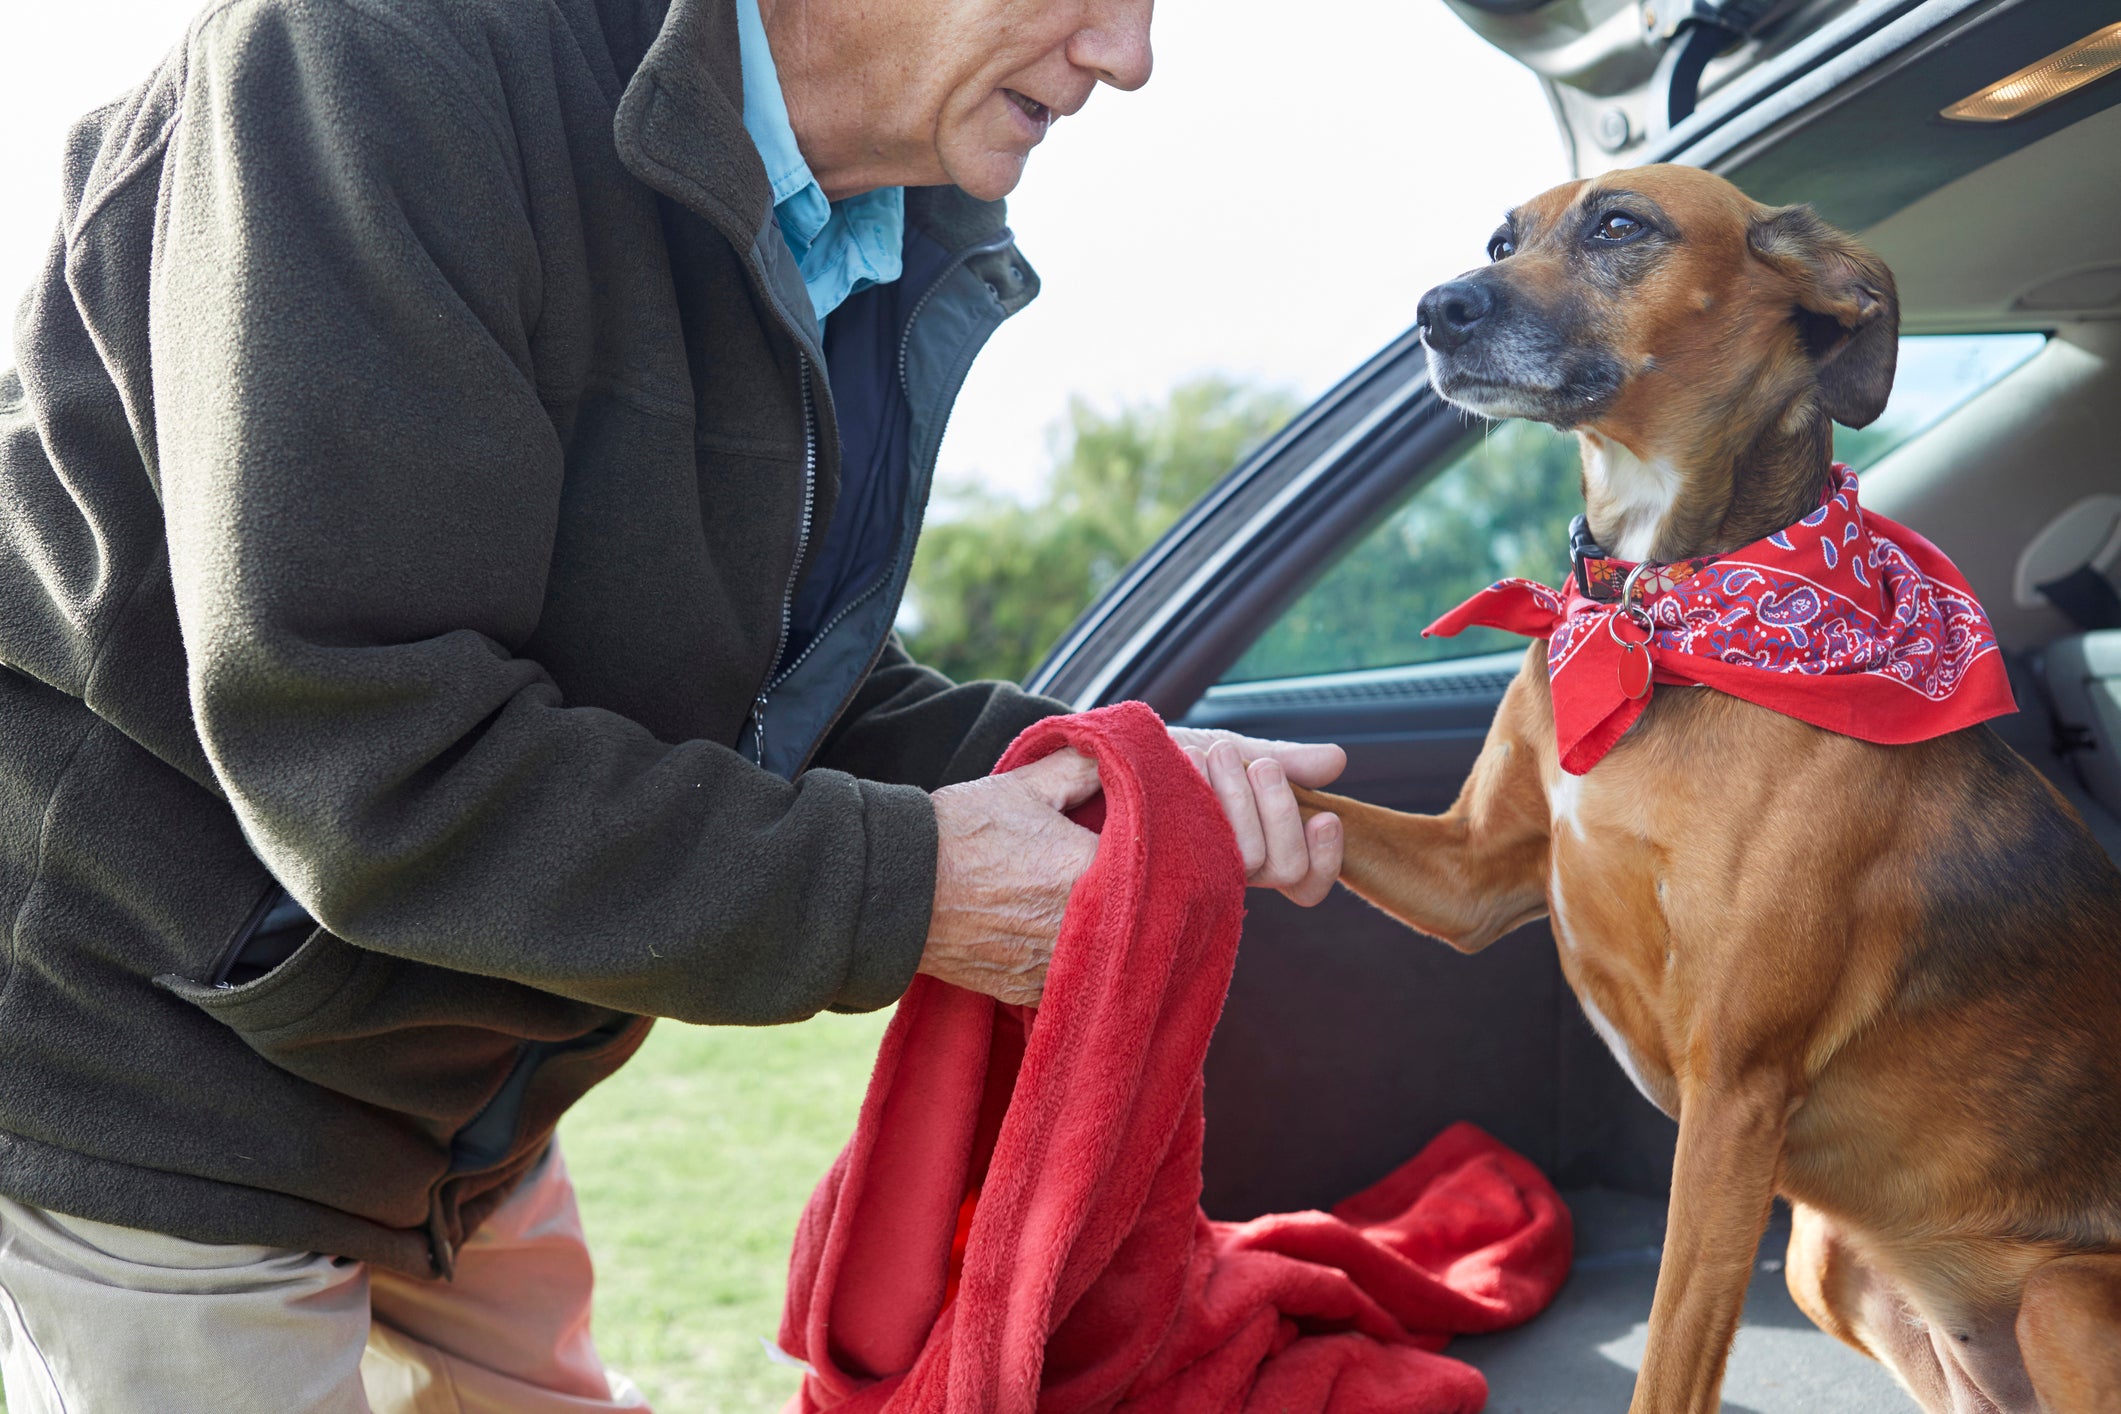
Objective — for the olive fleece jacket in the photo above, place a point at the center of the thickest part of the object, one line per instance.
(417, 433)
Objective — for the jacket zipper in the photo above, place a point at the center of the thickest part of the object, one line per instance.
(830, 624)
(905, 343)
(905, 353)
(795, 571)
(890, 571)
(528, 1056)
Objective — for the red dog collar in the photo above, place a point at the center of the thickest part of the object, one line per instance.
(1846, 620)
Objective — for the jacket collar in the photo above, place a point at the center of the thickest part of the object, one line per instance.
(680, 124)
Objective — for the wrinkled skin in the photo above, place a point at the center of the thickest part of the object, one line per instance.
(929, 92)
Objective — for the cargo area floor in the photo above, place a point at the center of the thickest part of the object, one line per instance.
(1581, 1354)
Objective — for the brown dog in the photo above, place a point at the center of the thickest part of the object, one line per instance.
(1884, 982)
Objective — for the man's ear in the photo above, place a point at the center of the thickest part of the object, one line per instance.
(1847, 309)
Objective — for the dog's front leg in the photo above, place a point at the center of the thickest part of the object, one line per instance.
(1478, 870)
(1723, 1185)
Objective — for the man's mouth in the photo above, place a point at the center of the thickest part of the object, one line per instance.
(1040, 115)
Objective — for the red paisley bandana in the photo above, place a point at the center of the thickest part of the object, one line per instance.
(1845, 620)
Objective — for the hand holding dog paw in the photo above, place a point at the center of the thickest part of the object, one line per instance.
(1251, 778)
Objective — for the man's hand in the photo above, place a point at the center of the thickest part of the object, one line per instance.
(1252, 777)
(1006, 857)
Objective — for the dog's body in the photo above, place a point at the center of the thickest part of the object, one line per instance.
(1884, 982)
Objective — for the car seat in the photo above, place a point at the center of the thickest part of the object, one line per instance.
(2083, 675)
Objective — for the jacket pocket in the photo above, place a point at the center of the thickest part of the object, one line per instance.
(284, 997)
(420, 1041)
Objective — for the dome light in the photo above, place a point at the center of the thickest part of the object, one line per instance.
(2037, 85)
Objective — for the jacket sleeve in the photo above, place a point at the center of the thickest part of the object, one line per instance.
(911, 725)
(362, 489)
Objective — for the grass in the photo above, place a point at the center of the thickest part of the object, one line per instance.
(692, 1165)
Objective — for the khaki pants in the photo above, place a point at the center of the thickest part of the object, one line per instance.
(96, 1319)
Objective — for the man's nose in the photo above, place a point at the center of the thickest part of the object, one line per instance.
(1449, 313)
(1115, 44)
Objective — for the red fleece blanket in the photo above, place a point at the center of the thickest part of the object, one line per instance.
(1015, 1224)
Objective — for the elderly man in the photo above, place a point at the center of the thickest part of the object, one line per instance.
(462, 472)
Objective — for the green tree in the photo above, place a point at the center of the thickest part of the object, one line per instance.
(995, 586)
(1500, 509)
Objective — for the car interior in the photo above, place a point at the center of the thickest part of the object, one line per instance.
(1288, 604)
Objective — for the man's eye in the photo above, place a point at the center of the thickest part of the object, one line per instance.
(1501, 248)
(1617, 227)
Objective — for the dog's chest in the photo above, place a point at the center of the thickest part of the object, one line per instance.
(1611, 935)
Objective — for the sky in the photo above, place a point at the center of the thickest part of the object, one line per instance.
(1270, 206)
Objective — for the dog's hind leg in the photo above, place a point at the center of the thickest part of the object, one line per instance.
(2069, 1331)
(1478, 870)
(1827, 1278)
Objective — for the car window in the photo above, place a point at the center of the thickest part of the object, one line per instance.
(1937, 373)
(1503, 507)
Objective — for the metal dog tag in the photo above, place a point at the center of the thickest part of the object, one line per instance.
(1635, 664)
(1635, 672)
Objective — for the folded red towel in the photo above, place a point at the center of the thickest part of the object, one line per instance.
(1015, 1224)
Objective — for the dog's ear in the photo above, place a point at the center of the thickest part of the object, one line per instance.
(1847, 309)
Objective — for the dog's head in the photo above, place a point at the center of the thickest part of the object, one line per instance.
(1662, 309)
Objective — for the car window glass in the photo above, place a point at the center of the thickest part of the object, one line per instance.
(1937, 372)
(1503, 507)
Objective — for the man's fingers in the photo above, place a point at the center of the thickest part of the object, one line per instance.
(1063, 780)
(1323, 838)
(1233, 787)
(1307, 763)
(1282, 824)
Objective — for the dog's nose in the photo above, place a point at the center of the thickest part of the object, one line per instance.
(1448, 313)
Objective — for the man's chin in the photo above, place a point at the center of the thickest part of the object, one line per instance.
(986, 173)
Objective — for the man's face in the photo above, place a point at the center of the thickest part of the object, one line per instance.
(947, 91)
(1007, 68)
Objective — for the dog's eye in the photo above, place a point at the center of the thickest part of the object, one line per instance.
(1501, 247)
(1617, 226)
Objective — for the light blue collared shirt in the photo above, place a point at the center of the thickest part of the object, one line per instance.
(839, 246)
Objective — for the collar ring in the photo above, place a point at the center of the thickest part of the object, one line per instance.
(1634, 614)
(1627, 587)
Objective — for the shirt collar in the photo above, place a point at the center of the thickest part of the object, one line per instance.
(840, 247)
